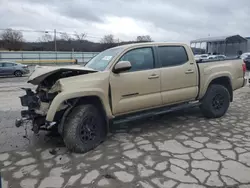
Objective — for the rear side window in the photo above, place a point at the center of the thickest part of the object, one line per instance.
(1, 64)
(8, 64)
(172, 55)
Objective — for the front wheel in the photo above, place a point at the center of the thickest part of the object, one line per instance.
(84, 128)
(215, 102)
(18, 73)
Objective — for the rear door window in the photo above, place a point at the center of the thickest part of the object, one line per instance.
(8, 64)
(172, 55)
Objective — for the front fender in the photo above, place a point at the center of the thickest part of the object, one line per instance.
(66, 95)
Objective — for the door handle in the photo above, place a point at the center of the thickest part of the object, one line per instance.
(190, 71)
(153, 76)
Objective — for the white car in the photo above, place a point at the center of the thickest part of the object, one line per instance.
(200, 57)
(245, 55)
(211, 57)
(217, 57)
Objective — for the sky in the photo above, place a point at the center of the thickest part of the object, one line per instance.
(163, 20)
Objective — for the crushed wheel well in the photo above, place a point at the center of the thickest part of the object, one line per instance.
(224, 81)
(92, 100)
(96, 101)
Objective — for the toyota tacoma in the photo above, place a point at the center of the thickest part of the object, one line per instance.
(123, 84)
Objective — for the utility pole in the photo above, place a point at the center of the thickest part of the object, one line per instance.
(55, 39)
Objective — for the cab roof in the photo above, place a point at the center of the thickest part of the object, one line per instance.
(148, 44)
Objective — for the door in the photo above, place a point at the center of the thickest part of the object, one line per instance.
(139, 87)
(8, 68)
(179, 75)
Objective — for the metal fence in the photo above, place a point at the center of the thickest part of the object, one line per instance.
(46, 57)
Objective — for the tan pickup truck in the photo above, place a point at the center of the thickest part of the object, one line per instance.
(126, 83)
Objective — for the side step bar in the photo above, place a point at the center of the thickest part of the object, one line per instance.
(154, 112)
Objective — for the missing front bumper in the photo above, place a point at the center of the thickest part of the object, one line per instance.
(36, 112)
(29, 100)
(20, 122)
(36, 124)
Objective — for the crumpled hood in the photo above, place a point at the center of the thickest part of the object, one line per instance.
(42, 72)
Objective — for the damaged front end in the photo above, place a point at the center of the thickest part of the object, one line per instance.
(38, 102)
(37, 110)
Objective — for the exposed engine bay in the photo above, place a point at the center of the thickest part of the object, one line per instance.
(38, 101)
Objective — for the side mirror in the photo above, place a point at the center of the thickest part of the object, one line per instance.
(122, 66)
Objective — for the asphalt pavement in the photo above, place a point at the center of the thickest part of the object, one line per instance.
(181, 149)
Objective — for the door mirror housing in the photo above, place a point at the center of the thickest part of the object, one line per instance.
(122, 66)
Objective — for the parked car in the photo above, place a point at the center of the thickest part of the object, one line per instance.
(211, 57)
(221, 57)
(244, 55)
(123, 84)
(200, 57)
(11, 68)
(217, 57)
(204, 56)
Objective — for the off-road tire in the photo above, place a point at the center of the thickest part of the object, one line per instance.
(84, 129)
(18, 73)
(216, 101)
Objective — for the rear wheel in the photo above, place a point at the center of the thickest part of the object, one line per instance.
(84, 128)
(18, 73)
(216, 101)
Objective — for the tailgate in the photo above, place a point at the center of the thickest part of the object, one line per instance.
(240, 75)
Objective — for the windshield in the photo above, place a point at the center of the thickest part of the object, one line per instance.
(101, 61)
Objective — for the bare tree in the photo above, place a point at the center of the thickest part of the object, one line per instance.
(108, 39)
(144, 38)
(64, 36)
(45, 38)
(12, 39)
(80, 36)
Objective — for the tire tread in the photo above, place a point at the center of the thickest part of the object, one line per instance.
(70, 134)
(206, 107)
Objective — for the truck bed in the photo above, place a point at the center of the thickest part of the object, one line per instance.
(229, 68)
(213, 60)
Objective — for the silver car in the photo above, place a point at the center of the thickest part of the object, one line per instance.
(11, 68)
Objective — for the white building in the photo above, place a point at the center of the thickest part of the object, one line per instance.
(227, 45)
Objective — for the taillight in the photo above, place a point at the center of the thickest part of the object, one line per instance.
(244, 68)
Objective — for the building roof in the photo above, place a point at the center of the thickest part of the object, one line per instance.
(228, 39)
